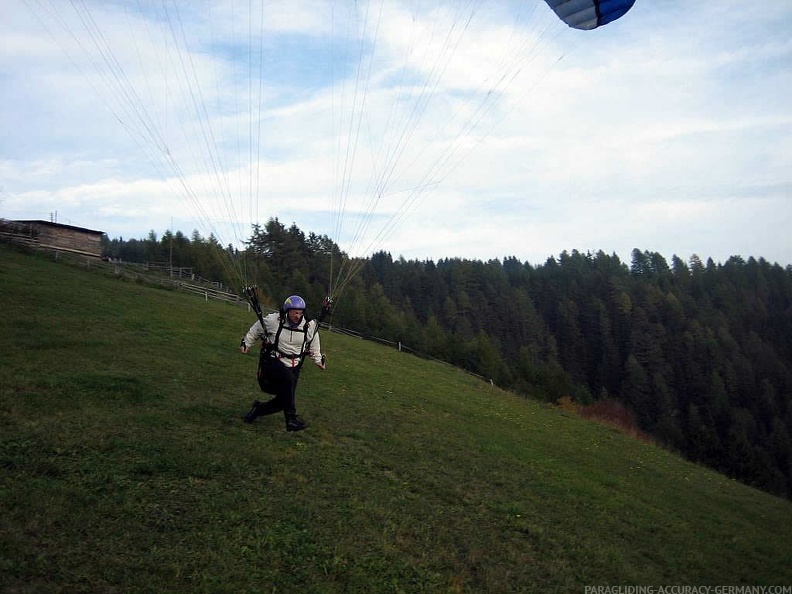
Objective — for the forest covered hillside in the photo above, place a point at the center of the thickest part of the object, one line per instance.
(125, 466)
(699, 352)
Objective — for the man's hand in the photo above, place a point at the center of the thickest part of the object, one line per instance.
(323, 363)
(243, 348)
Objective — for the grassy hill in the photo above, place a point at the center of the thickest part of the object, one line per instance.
(125, 467)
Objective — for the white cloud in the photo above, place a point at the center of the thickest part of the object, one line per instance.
(667, 130)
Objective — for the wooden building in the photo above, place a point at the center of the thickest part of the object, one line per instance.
(57, 236)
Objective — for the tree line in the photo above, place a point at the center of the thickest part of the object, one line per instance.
(205, 255)
(700, 352)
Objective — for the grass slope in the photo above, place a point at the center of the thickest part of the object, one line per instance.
(124, 467)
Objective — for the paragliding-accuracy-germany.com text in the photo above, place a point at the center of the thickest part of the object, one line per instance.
(688, 590)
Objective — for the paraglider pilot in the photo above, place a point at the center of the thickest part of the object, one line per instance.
(288, 338)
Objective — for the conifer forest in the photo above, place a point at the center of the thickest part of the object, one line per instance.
(699, 352)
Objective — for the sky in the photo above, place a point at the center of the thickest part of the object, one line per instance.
(469, 129)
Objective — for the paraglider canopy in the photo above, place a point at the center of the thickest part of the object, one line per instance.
(589, 14)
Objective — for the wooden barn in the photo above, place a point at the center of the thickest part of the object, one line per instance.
(57, 236)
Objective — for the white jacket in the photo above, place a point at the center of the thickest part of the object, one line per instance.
(292, 339)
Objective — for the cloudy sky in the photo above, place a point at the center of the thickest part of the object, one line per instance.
(476, 129)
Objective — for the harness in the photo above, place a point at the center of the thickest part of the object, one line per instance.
(272, 349)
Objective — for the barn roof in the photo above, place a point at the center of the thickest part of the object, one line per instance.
(60, 226)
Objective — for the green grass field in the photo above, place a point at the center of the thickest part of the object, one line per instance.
(125, 467)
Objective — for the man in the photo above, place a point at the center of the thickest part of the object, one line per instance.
(287, 339)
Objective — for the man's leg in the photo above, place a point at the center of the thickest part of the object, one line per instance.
(288, 394)
(273, 371)
(263, 408)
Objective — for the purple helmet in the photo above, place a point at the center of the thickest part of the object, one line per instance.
(294, 302)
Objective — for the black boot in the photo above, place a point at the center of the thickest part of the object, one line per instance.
(262, 408)
(254, 412)
(294, 423)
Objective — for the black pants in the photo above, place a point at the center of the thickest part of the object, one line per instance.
(281, 381)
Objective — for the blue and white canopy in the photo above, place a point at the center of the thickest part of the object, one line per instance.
(589, 14)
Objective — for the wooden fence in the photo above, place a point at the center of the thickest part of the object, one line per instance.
(141, 273)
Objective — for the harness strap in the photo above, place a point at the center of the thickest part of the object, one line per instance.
(272, 349)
